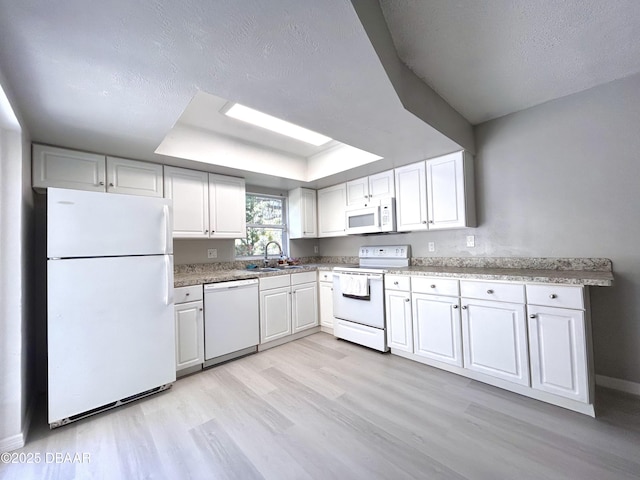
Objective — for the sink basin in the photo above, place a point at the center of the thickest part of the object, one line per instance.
(268, 269)
(291, 267)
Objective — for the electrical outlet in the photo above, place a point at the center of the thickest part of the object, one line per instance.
(212, 253)
(471, 241)
(315, 249)
(432, 246)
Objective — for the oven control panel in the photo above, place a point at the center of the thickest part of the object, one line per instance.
(385, 251)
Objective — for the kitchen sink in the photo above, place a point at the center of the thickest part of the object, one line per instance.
(268, 269)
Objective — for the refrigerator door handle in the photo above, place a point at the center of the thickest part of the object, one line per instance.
(168, 298)
(168, 234)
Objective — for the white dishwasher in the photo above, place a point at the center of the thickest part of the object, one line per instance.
(231, 321)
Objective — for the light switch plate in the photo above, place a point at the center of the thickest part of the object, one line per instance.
(212, 253)
(471, 241)
(315, 249)
(432, 246)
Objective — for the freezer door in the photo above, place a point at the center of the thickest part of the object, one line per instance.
(110, 330)
(95, 224)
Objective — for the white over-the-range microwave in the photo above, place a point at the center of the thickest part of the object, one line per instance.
(377, 216)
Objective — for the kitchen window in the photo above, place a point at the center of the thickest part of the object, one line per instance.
(265, 223)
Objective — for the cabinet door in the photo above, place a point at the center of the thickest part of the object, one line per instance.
(326, 304)
(399, 328)
(58, 167)
(303, 221)
(446, 191)
(227, 207)
(358, 191)
(332, 203)
(411, 197)
(275, 313)
(189, 335)
(189, 190)
(495, 339)
(382, 185)
(304, 306)
(133, 177)
(558, 351)
(437, 328)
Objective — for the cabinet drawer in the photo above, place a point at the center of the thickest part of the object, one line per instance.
(187, 294)
(500, 292)
(436, 286)
(556, 296)
(277, 281)
(397, 282)
(325, 276)
(303, 277)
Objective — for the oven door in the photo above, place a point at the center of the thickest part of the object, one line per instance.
(363, 220)
(367, 310)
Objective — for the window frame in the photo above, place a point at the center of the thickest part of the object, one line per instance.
(284, 226)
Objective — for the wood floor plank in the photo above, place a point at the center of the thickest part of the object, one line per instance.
(321, 408)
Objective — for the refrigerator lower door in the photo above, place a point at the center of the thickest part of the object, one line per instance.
(110, 330)
(94, 224)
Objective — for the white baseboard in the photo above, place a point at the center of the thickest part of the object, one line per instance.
(618, 384)
(12, 443)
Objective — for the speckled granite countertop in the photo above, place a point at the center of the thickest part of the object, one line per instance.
(570, 271)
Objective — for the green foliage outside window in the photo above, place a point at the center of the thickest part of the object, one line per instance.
(265, 223)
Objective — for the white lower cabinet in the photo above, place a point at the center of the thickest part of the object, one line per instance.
(557, 343)
(275, 313)
(288, 305)
(399, 329)
(495, 339)
(325, 289)
(189, 327)
(437, 331)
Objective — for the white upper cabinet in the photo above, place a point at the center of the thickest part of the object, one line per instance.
(370, 188)
(134, 178)
(411, 198)
(450, 191)
(189, 190)
(436, 194)
(303, 220)
(227, 207)
(59, 167)
(332, 202)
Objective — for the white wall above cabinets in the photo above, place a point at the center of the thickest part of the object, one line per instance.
(366, 189)
(303, 219)
(436, 194)
(532, 339)
(205, 205)
(332, 203)
(63, 168)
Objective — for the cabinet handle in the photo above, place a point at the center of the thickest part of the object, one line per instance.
(433, 286)
(430, 221)
(200, 309)
(186, 294)
(532, 315)
(489, 291)
(100, 183)
(455, 306)
(424, 221)
(206, 231)
(464, 307)
(111, 184)
(395, 283)
(553, 295)
(407, 299)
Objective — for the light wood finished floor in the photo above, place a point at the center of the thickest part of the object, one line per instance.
(326, 409)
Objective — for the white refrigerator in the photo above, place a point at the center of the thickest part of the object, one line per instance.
(110, 324)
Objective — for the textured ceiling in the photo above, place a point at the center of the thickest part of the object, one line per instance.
(113, 76)
(493, 57)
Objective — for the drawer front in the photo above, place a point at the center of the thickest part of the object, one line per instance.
(556, 296)
(435, 286)
(325, 276)
(500, 292)
(277, 281)
(303, 277)
(397, 282)
(187, 294)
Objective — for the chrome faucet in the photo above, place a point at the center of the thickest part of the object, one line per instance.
(266, 252)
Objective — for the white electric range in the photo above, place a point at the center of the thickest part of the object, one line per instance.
(358, 295)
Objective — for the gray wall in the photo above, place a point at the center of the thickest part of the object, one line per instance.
(560, 180)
